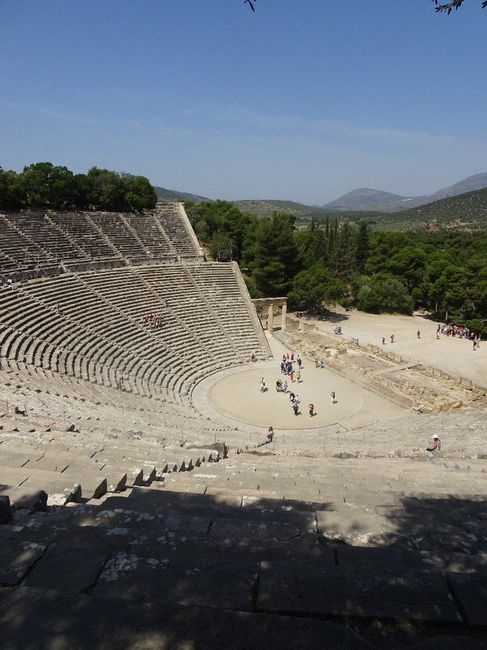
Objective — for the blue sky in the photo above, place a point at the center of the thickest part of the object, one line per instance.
(303, 100)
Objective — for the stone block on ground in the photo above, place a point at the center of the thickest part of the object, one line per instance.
(329, 590)
(77, 622)
(68, 568)
(214, 581)
(16, 559)
(470, 592)
(5, 509)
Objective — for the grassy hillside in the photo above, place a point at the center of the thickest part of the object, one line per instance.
(463, 212)
(303, 213)
(164, 194)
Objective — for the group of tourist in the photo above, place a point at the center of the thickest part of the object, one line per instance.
(287, 366)
(154, 321)
(460, 331)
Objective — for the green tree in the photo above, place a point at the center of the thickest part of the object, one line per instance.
(409, 263)
(384, 293)
(12, 196)
(274, 255)
(106, 190)
(48, 186)
(138, 193)
(344, 258)
(315, 287)
(362, 246)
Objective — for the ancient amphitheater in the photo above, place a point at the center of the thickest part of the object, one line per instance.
(139, 507)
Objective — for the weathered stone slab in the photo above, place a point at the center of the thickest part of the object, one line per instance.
(5, 509)
(471, 592)
(353, 525)
(68, 568)
(151, 524)
(377, 560)
(252, 533)
(17, 457)
(213, 582)
(16, 558)
(324, 589)
(11, 477)
(77, 622)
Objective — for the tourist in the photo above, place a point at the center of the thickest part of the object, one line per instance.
(392, 338)
(284, 387)
(263, 387)
(296, 408)
(311, 409)
(291, 376)
(383, 340)
(270, 435)
(299, 362)
(298, 376)
(435, 444)
(278, 386)
(291, 396)
(418, 334)
(253, 358)
(333, 395)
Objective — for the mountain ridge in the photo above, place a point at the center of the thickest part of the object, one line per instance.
(371, 199)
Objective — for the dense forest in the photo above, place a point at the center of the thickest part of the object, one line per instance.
(44, 186)
(327, 263)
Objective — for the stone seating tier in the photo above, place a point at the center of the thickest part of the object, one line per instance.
(51, 241)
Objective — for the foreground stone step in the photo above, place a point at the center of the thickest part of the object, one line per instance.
(331, 590)
(78, 622)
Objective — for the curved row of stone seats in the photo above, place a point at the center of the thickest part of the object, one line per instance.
(116, 230)
(59, 400)
(149, 231)
(79, 228)
(189, 305)
(91, 325)
(218, 282)
(62, 325)
(175, 223)
(19, 248)
(186, 329)
(40, 229)
(44, 240)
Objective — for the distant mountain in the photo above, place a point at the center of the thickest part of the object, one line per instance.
(172, 195)
(369, 199)
(365, 198)
(469, 184)
(466, 211)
